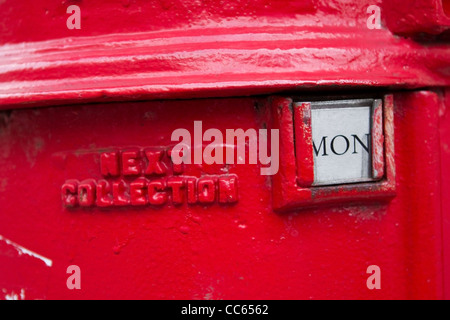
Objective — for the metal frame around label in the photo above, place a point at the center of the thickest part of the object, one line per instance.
(303, 136)
(293, 184)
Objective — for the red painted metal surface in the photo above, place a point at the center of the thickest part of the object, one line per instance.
(85, 127)
(290, 193)
(378, 140)
(303, 143)
(420, 17)
(444, 130)
(229, 54)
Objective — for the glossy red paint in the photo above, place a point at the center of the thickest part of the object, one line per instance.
(25, 22)
(419, 18)
(213, 251)
(378, 162)
(289, 190)
(79, 106)
(417, 123)
(444, 135)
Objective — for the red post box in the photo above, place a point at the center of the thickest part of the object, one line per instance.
(292, 149)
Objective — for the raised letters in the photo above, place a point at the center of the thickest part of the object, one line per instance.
(147, 177)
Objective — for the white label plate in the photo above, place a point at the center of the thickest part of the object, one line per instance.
(341, 142)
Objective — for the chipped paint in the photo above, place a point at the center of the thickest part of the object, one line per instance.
(14, 296)
(21, 250)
